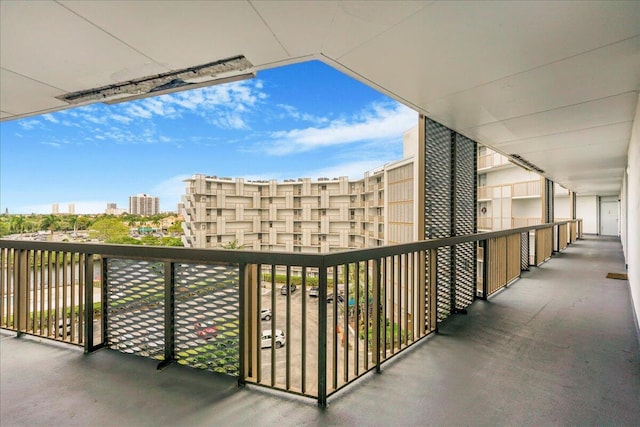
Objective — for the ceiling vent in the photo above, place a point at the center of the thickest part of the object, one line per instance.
(213, 73)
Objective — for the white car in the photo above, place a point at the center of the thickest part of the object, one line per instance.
(265, 314)
(266, 338)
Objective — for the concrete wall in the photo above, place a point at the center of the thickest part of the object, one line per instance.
(587, 209)
(526, 208)
(631, 218)
(561, 208)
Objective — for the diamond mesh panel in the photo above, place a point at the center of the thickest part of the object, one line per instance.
(464, 219)
(207, 317)
(444, 282)
(465, 274)
(524, 251)
(438, 204)
(438, 181)
(135, 307)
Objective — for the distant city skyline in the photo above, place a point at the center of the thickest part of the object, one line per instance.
(302, 120)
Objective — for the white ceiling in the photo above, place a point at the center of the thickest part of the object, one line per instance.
(555, 82)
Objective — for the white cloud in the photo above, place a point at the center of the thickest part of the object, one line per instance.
(52, 144)
(170, 191)
(28, 124)
(294, 113)
(228, 120)
(120, 118)
(50, 118)
(378, 122)
(224, 106)
(139, 111)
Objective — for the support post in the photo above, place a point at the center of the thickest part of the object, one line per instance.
(88, 303)
(242, 314)
(433, 289)
(21, 289)
(376, 314)
(322, 337)
(485, 269)
(169, 315)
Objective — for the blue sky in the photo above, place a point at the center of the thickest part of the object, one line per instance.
(302, 120)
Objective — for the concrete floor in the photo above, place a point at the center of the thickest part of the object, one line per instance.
(558, 347)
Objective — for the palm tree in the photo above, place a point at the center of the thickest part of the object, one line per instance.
(72, 221)
(50, 222)
(17, 224)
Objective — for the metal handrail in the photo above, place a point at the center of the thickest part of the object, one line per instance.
(389, 272)
(178, 254)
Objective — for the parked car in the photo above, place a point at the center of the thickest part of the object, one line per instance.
(266, 338)
(205, 330)
(62, 330)
(283, 289)
(330, 298)
(314, 292)
(265, 314)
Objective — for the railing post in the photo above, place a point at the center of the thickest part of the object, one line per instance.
(433, 289)
(322, 336)
(88, 303)
(376, 314)
(169, 314)
(485, 269)
(104, 300)
(21, 289)
(242, 308)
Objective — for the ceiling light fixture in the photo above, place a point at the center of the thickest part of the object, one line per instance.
(213, 73)
(523, 163)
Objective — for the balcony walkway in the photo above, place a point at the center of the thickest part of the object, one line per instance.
(558, 347)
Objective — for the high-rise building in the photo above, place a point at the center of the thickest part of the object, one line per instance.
(72, 208)
(55, 209)
(144, 204)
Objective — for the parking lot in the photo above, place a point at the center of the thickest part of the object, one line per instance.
(294, 346)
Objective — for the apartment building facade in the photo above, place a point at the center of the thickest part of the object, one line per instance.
(301, 215)
(510, 196)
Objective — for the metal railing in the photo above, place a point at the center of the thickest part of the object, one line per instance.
(303, 323)
(488, 222)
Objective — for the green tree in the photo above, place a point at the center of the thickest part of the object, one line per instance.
(109, 230)
(126, 240)
(83, 222)
(149, 240)
(4, 227)
(17, 224)
(171, 241)
(176, 227)
(50, 222)
(232, 245)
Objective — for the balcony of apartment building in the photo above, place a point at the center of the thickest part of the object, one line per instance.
(539, 332)
(197, 316)
(492, 160)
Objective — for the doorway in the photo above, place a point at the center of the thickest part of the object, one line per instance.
(609, 216)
